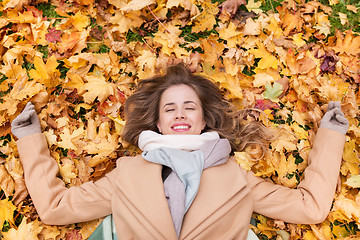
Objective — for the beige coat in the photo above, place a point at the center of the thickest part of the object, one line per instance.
(133, 192)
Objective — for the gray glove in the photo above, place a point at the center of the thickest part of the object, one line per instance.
(334, 118)
(26, 123)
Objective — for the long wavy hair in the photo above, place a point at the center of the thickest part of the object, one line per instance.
(142, 109)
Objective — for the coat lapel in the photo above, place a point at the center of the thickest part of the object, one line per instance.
(140, 182)
(218, 185)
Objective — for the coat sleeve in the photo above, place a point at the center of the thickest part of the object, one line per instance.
(311, 201)
(55, 203)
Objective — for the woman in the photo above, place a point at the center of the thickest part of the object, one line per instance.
(184, 185)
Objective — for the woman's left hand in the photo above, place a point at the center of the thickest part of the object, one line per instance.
(334, 118)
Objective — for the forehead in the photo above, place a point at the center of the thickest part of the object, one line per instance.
(179, 93)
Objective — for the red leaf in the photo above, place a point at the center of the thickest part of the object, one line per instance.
(53, 36)
(266, 104)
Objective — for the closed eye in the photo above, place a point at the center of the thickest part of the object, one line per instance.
(169, 110)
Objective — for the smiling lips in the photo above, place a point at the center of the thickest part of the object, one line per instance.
(180, 127)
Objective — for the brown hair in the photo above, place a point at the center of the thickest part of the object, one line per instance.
(142, 109)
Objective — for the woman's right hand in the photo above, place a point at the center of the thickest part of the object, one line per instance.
(26, 123)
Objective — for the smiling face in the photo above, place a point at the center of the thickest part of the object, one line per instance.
(180, 111)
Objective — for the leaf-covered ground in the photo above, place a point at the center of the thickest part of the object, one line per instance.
(78, 61)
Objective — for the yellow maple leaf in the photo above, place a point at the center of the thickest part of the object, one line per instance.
(254, 6)
(7, 209)
(7, 183)
(39, 30)
(102, 145)
(309, 236)
(205, 21)
(351, 159)
(48, 232)
(24, 231)
(244, 160)
(23, 89)
(274, 27)
(135, 5)
(252, 27)
(66, 137)
(67, 170)
(348, 44)
(267, 60)
(73, 80)
(229, 31)
(97, 87)
(121, 23)
(300, 132)
(348, 207)
(212, 51)
(286, 170)
(45, 73)
(80, 21)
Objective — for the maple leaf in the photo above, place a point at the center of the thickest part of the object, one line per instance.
(97, 87)
(351, 159)
(205, 21)
(266, 104)
(292, 22)
(254, 6)
(53, 36)
(272, 92)
(7, 183)
(80, 21)
(353, 181)
(6, 211)
(267, 59)
(25, 231)
(45, 73)
(135, 5)
(67, 169)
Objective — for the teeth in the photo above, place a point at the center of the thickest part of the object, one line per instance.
(181, 127)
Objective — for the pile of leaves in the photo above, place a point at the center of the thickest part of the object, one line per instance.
(79, 60)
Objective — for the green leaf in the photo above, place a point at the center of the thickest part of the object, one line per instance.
(272, 92)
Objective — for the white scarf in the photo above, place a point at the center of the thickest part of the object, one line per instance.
(149, 140)
(187, 156)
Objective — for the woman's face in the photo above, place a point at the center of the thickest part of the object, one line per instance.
(180, 111)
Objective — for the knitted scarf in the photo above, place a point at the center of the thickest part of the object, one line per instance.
(187, 156)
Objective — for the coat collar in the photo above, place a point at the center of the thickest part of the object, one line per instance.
(140, 182)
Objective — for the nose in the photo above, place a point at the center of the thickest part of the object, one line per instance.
(180, 114)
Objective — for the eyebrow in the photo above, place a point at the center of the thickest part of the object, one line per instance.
(172, 103)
